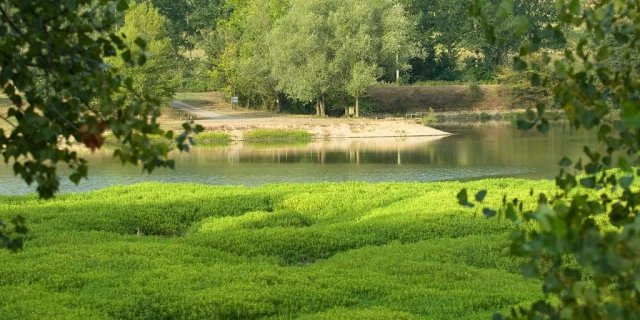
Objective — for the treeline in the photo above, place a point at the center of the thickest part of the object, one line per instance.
(306, 56)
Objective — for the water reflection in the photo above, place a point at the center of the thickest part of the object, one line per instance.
(476, 151)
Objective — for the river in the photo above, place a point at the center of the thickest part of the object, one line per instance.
(476, 151)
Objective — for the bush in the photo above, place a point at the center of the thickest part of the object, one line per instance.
(212, 139)
(429, 117)
(476, 93)
(521, 90)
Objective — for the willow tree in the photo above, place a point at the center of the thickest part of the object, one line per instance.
(369, 38)
(302, 54)
(338, 46)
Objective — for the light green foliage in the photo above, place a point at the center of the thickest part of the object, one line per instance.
(301, 52)
(585, 243)
(321, 48)
(278, 135)
(362, 77)
(212, 139)
(52, 68)
(319, 251)
(156, 77)
(429, 118)
(244, 67)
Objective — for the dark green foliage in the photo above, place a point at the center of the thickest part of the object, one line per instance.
(583, 239)
(52, 68)
(528, 87)
(194, 76)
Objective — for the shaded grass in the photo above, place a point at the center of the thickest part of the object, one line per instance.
(277, 135)
(319, 251)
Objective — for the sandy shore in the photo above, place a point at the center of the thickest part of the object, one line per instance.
(220, 117)
(325, 128)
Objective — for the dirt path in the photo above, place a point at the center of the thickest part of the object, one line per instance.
(200, 113)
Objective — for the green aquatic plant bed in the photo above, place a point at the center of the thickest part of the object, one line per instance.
(277, 136)
(205, 139)
(319, 251)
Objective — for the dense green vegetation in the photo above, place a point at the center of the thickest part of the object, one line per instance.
(203, 139)
(74, 70)
(278, 135)
(319, 55)
(589, 270)
(348, 251)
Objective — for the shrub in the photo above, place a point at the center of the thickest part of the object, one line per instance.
(429, 117)
(476, 93)
(212, 139)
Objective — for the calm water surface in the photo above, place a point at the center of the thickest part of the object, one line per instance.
(474, 152)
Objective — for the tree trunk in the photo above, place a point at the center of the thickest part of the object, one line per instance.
(357, 107)
(320, 111)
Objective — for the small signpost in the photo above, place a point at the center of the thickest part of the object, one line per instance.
(234, 102)
(352, 111)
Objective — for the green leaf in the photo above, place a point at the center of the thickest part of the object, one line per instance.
(521, 25)
(544, 126)
(481, 195)
(506, 9)
(142, 60)
(519, 64)
(589, 182)
(530, 270)
(626, 181)
(126, 56)
(511, 212)
(565, 162)
(623, 163)
(122, 5)
(75, 178)
(141, 43)
(574, 7)
(463, 198)
(489, 213)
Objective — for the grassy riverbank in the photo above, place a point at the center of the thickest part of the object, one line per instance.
(278, 136)
(320, 251)
(205, 139)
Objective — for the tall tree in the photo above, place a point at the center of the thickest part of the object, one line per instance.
(338, 46)
(369, 38)
(156, 77)
(301, 53)
(244, 67)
